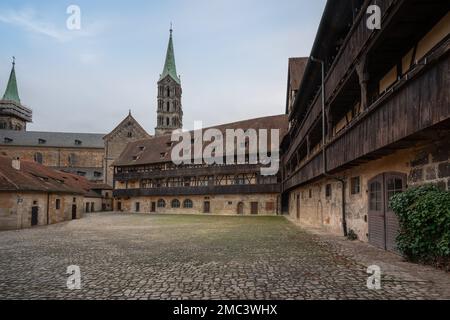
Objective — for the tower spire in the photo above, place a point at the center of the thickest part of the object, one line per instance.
(12, 93)
(170, 68)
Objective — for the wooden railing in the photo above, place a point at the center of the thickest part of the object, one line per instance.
(416, 102)
(207, 190)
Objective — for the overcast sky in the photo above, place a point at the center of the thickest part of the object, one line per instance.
(231, 54)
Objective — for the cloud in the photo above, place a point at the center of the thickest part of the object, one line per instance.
(28, 20)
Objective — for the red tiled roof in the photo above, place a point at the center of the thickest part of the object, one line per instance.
(35, 177)
(151, 151)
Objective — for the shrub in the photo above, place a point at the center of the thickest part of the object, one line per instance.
(352, 236)
(424, 217)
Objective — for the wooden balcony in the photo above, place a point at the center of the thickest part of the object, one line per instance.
(188, 172)
(207, 190)
(418, 101)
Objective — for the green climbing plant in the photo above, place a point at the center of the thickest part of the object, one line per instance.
(424, 217)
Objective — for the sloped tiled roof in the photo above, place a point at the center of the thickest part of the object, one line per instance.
(35, 177)
(51, 139)
(158, 149)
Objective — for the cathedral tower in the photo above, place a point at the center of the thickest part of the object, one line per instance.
(170, 112)
(13, 115)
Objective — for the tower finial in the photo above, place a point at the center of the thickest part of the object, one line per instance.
(171, 28)
(13, 61)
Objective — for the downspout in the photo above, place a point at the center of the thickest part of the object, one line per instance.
(48, 208)
(324, 154)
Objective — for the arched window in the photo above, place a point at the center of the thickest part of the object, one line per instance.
(175, 203)
(167, 122)
(161, 203)
(188, 204)
(168, 106)
(174, 122)
(168, 92)
(38, 157)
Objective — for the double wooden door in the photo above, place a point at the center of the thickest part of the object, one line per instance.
(383, 222)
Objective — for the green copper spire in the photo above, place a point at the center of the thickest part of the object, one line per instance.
(170, 67)
(11, 93)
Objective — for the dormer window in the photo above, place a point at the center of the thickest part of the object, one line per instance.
(163, 155)
(169, 144)
(42, 141)
(135, 158)
(141, 148)
(8, 140)
(78, 142)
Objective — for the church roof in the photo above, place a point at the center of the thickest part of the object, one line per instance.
(12, 93)
(170, 68)
(51, 139)
(125, 121)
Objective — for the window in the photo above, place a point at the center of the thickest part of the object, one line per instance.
(138, 206)
(355, 185)
(130, 134)
(42, 141)
(78, 142)
(72, 159)
(175, 203)
(58, 204)
(375, 201)
(310, 193)
(188, 204)
(38, 157)
(2, 125)
(328, 191)
(161, 203)
(97, 174)
(270, 206)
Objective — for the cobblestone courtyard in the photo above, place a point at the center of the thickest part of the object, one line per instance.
(189, 257)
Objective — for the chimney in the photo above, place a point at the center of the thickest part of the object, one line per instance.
(16, 163)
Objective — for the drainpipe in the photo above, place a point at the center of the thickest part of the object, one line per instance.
(48, 208)
(324, 154)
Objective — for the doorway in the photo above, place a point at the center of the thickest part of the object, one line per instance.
(383, 222)
(153, 207)
(254, 208)
(34, 216)
(298, 207)
(74, 211)
(240, 208)
(206, 207)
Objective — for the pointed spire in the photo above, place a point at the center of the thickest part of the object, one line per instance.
(11, 93)
(169, 66)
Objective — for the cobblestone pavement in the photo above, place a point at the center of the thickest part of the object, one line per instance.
(188, 257)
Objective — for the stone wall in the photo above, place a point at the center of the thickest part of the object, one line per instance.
(219, 204)
(58, 157)
(16, 208)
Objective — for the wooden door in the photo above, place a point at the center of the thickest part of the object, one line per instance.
(394, 183)
(34, 216)
(254, 207)
(240, 208)
(207, 207)
(153, 208)
(383, 222)
(377, 236)
(74, 212)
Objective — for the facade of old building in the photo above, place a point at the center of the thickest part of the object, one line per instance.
(385, 124)
(129, 130)
(34, 195)
(147, 180)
